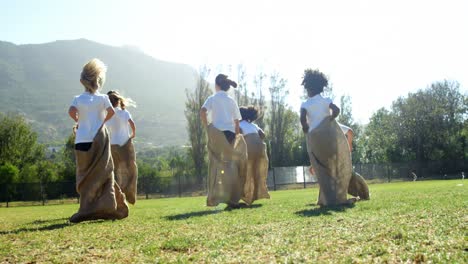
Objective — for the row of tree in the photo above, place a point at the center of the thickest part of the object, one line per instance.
(430, 124)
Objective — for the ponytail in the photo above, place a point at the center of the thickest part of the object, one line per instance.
(119, 101)
(224, 83)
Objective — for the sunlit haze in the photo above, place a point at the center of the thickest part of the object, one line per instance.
(373, 51)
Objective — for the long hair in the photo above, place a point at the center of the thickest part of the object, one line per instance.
(93, 75)
(118, 100)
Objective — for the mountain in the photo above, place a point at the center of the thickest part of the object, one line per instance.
(41, 80)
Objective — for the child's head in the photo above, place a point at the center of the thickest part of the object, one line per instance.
(314, 81)
(119, 101)
(249, 113)
(223, 83)
(93, 75)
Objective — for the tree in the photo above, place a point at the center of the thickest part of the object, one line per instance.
(424, 126)
(259, 98)
(47, 172)
(380, 139)
(346, 113)
(429, 115)
(241, 92)
(28, 174)
(278, 95)
(8, 176)
(18, 143)
(346, 118)
(196, 131)
(149, 180)
(67, 159)
(294, 142)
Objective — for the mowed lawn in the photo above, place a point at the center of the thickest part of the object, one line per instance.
(403, 222)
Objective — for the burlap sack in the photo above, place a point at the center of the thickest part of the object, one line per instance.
(100, 195)
(224, 183)
(254, 170)
(329, 156)
(358, 187)
(125, 169)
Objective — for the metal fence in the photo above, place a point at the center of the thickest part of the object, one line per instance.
(278, 178)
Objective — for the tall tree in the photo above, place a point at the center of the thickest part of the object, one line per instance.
(241, 92)
(259, 98)
(196, 131)
(278, 120)
(346, 113)
(294, 151)
(346, 118)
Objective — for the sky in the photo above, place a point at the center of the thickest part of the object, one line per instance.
(374, 51)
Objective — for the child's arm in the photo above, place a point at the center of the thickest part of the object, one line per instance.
(335, 110)
(110, 114)
(305, 126)
(203, 116)
(132, 125)
(73, 113)
(261, 134)
(236, 123)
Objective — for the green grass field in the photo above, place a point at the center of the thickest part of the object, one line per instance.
(403, 222)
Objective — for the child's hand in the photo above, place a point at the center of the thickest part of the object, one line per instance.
(75, 127)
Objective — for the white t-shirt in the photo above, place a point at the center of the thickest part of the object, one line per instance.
(224, 111)
(345, 129)
(248, 128)
(318, 108)
(119, 127)
(91, 114)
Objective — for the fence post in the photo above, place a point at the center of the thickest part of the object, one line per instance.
(7, 195)
(304, 176)
(146, 187)
(178, 179)
(274, 180)
(42, 192)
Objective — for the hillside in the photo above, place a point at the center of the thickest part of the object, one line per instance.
(40, 81)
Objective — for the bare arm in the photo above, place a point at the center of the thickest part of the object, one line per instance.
(305, 126)
(109, 115)
(203, 116)
(73, 113)
(236, 124)
(132, 125)
(261, 134)
(335, 110)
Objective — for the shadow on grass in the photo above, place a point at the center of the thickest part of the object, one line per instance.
(35, 229)
(207, 212)
(191, 214)
(39, 222)
(243, 206)
(62, 223)
(326, 210)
